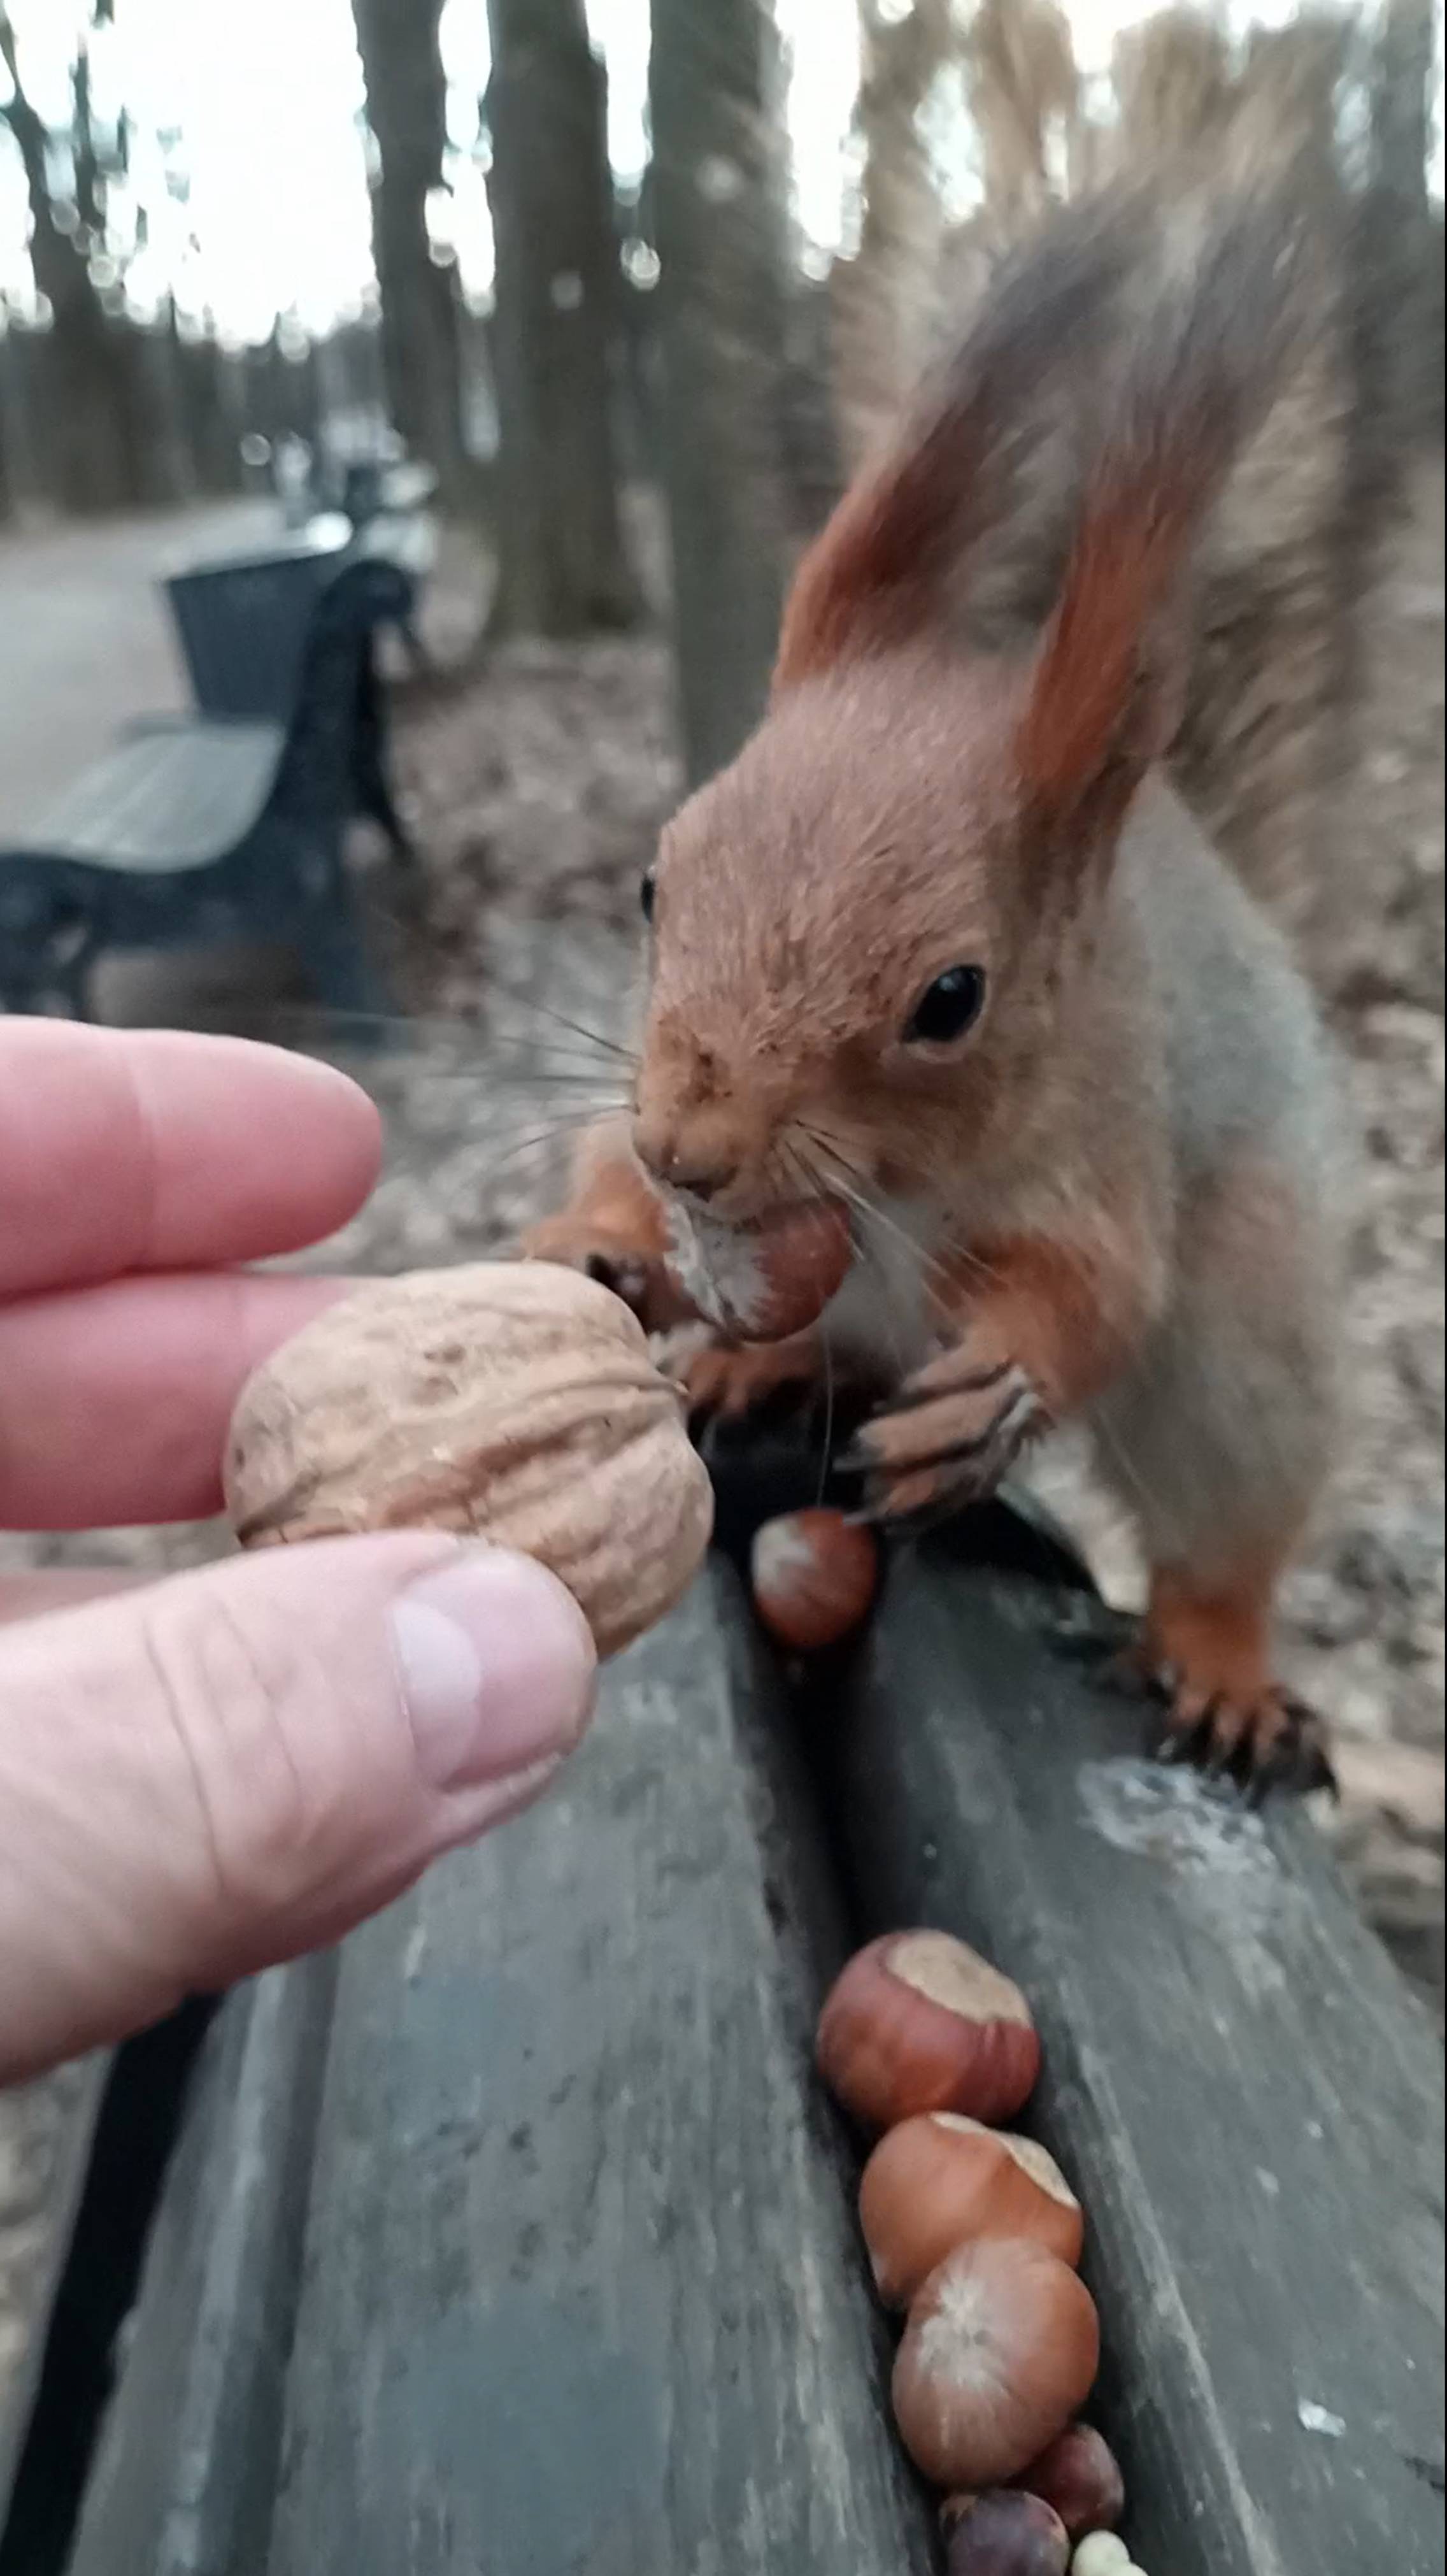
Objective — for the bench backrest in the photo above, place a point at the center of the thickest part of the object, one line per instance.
(243, 628)
(316, 769)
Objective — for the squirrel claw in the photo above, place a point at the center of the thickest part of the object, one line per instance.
(1274, 1741)
(944, 1441)
(617, 1264)
(726, 1382)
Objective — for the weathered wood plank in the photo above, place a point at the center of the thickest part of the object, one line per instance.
(184, 2481)
(1247, 2096)
(45, 2136)
(582, 2296)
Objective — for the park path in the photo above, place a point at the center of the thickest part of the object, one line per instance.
(85, 636)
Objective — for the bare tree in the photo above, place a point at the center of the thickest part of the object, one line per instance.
(885, 297)
(7, 479)
(1403, 244)
(407, 112)
(718, 200)
(1024, 92)
(561, 562)
(83, 375)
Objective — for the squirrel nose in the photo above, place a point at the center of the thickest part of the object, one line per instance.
(701, 1174)
(702, 1180)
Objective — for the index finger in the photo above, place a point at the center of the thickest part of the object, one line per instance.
(125, 1150)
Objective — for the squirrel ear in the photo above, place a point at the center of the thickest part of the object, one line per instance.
(869, 579)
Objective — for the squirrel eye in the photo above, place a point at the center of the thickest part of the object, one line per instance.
(647, 894)
(952, 1005)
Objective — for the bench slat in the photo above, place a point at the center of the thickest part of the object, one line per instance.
(46, 2130)
(169, 800)
(184, 2480)
(1244, 2092)
(581, 2294)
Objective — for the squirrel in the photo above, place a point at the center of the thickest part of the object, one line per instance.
(943, 944)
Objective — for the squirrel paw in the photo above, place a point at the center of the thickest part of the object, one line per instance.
(725, 1382)
(946, 1439)
(576, 1243)
(1263, 1741)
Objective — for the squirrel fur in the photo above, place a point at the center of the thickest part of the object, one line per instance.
(1110, 1195)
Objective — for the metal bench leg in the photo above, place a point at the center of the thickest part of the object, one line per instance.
(335, 956)
(58, 991)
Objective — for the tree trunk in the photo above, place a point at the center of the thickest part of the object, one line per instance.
(211, 413)
(561, 563)
(718, 196)
(86, 419)
(406, 110)
(7, 416)
(1403, 243)
(164, 469)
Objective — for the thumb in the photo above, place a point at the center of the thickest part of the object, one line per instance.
(214, 1773)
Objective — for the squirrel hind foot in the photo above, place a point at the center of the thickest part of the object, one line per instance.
(1207, 1655)
(1273, 1741)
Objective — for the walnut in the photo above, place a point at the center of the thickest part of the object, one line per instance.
(513, 1400)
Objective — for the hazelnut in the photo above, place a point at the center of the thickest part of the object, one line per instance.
(939, 2181)
(511, 1400)
(1004, 2533)
(815, 1575)
(1001, 2348)
(761, 1282)
(1102, 2554)
(920, 2022)
(1078, 2475)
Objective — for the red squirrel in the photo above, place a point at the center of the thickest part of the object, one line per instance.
(944, 944)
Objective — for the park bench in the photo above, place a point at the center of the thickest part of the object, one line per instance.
(516, 2238)
(242, 622)
(204, 828)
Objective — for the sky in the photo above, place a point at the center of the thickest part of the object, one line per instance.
(249, 153)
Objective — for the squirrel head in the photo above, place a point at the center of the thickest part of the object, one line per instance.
(871, 932)
(853, 958)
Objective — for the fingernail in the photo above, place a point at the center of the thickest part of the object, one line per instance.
(496, 1666)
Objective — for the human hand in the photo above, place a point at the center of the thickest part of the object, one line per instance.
(201, 1776)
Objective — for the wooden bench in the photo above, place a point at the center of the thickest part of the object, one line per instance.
(519, 2236)
(195, 830)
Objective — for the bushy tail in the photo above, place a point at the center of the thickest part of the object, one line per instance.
(1190, 319)
(1202, 365)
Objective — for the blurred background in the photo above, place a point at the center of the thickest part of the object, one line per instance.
(541, 337)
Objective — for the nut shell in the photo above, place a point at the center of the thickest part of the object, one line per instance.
(814, 1578)
(940, 2181)
(1101, 2554)
(918, 2021)
(513, 1401)
(1080, 2477)
(764, 1281)
(1001, 2350)
(1005, 2533)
